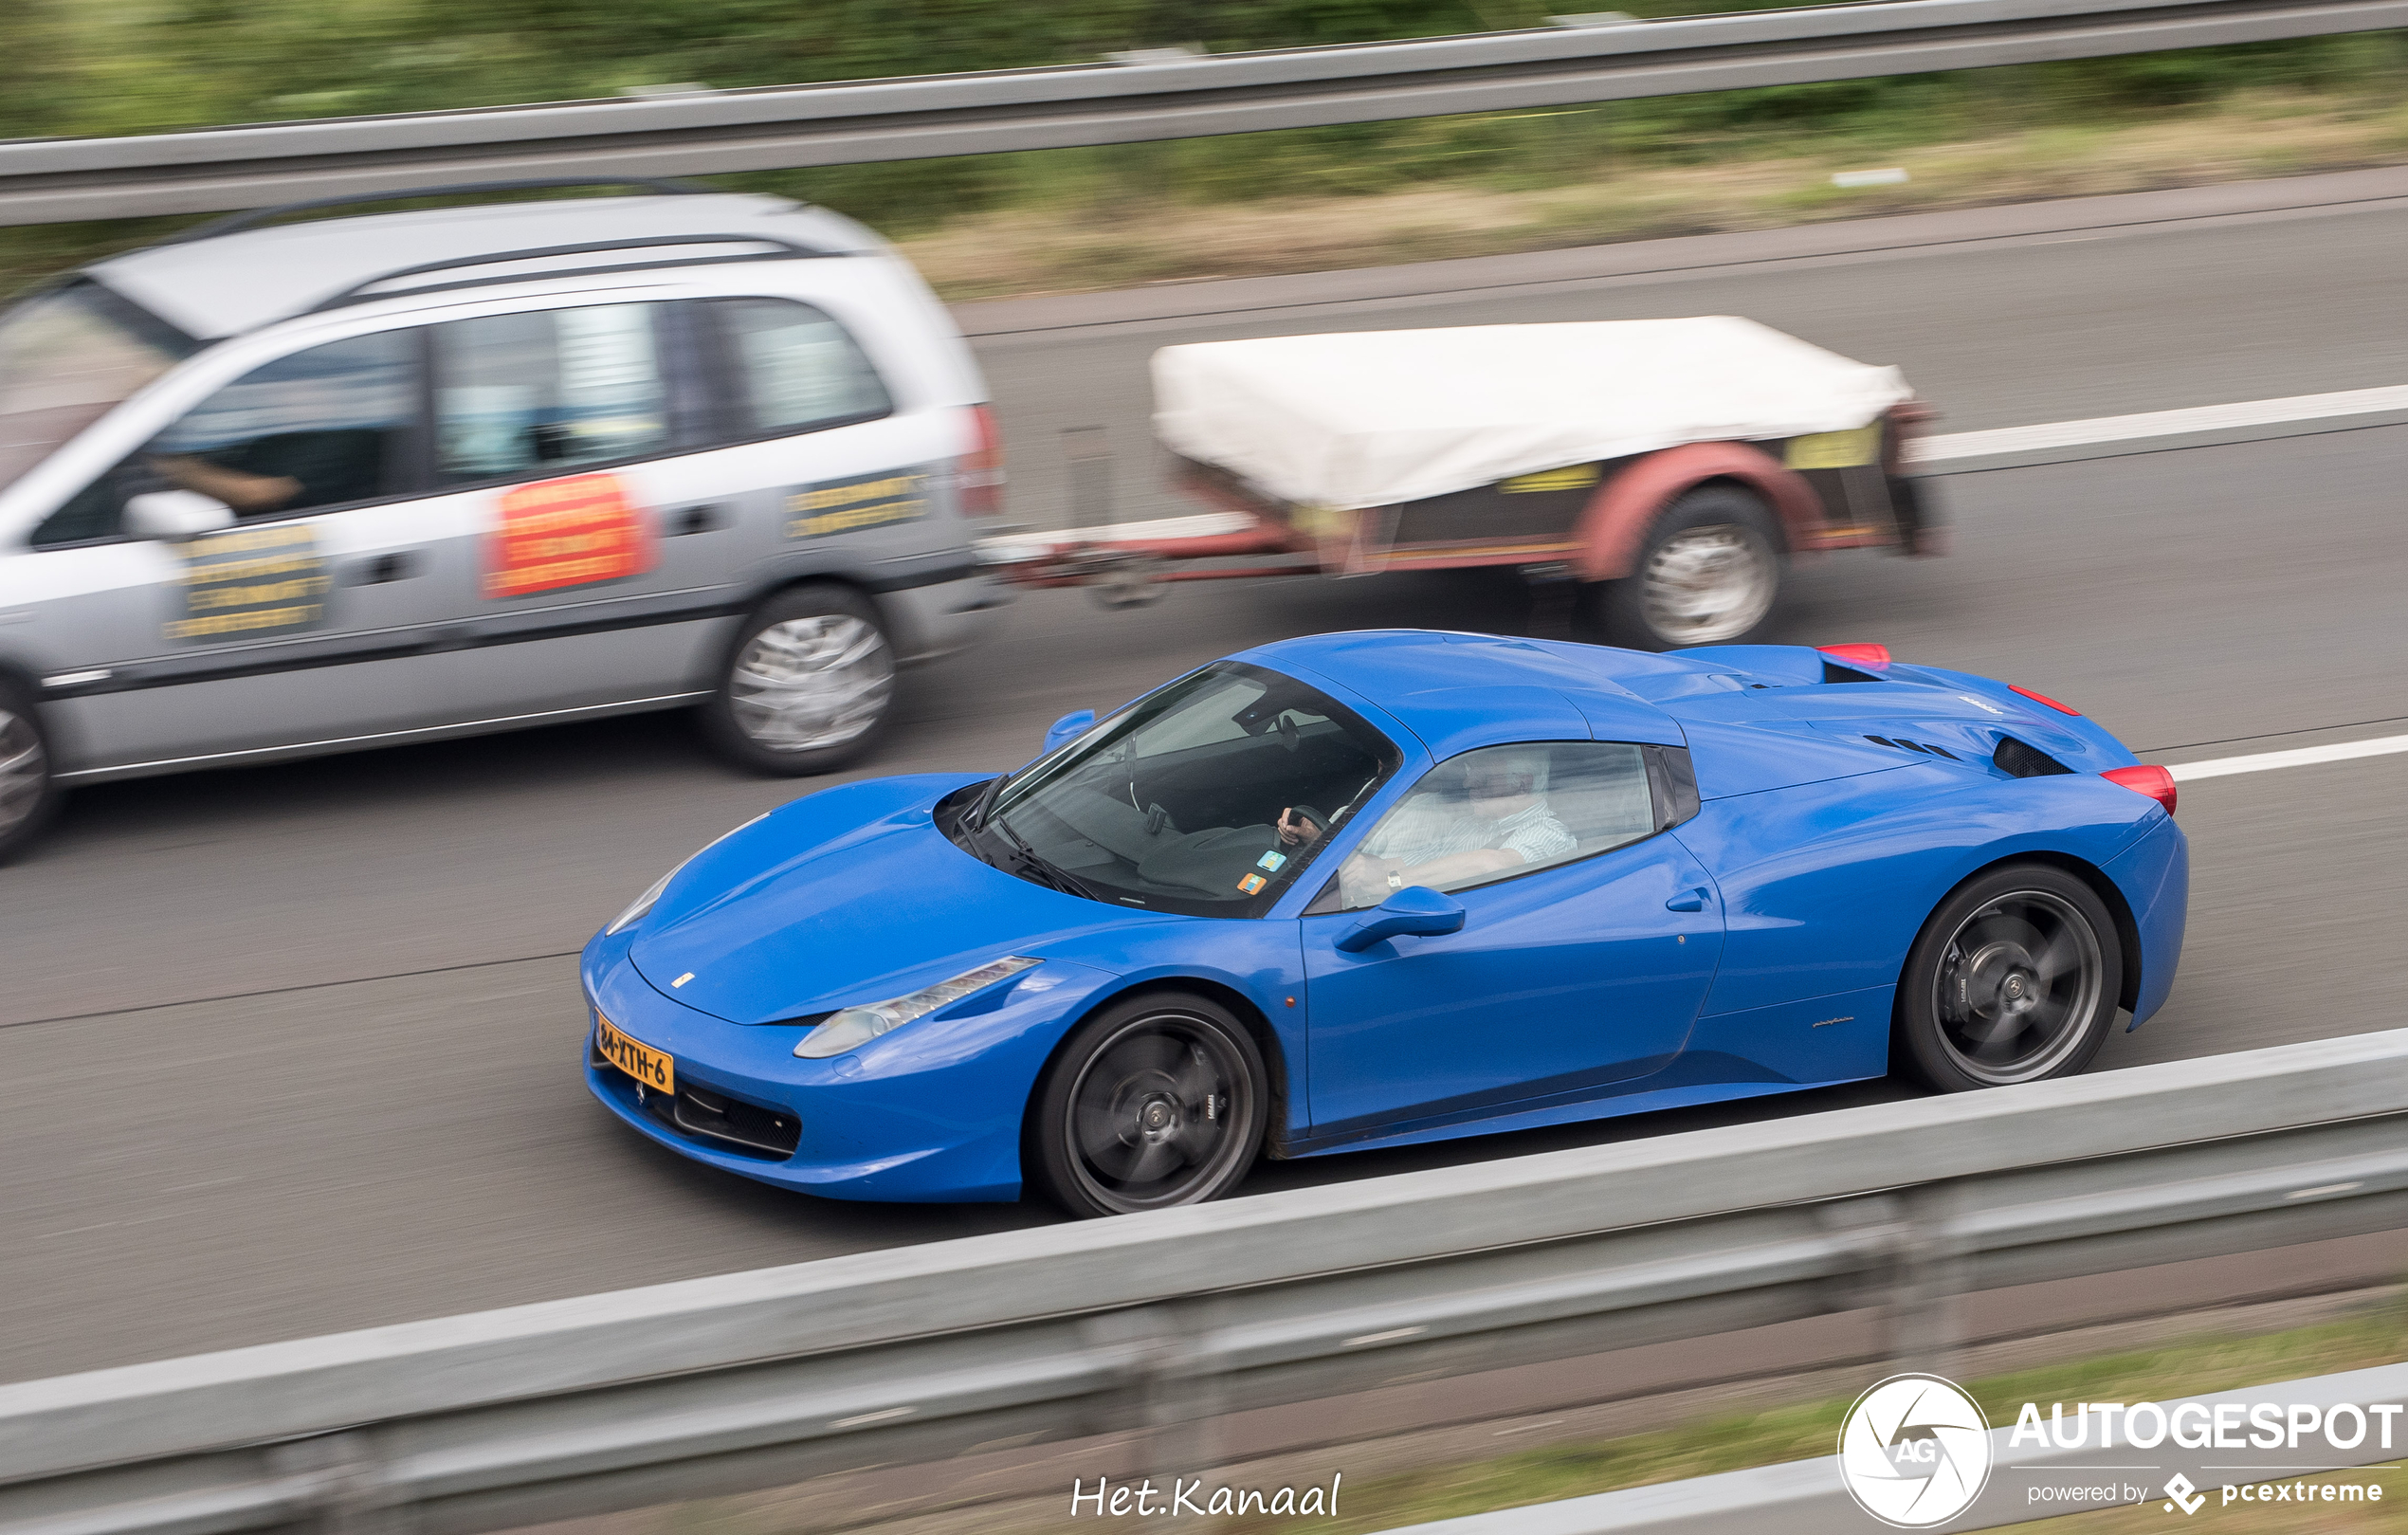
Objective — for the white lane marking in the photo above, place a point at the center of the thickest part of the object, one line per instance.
(2116, 429)
(2305, 755)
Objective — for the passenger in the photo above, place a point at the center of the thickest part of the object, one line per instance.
(1502, 822)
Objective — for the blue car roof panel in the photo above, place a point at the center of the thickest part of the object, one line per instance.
(1457, 692)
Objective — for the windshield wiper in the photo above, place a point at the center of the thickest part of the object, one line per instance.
(1033, 865)
(986, 798)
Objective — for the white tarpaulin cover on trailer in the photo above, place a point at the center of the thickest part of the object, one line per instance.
(1379, 417)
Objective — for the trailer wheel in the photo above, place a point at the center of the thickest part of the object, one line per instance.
(1706, 574)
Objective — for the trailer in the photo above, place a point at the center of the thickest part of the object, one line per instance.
(1672, 468)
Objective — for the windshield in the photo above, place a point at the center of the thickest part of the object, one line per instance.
(66, 359)
(1210, 796)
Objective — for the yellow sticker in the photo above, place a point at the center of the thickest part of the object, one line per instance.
(249, 582)
(1576, 477)
(1835, 450)
(820, 510)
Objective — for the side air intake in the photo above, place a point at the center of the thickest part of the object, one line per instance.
(2017, 759)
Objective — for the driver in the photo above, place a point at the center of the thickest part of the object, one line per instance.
(1502, 822)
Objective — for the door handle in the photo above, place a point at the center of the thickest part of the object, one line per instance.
(708, 519)
(398, 565)
(1687, 900)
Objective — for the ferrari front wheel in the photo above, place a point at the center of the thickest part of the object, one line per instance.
(1156, 1101)
(2015, 979)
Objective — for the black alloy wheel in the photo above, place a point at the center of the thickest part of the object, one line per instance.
(29, 794)
(1156, 1101)
(2015, 979)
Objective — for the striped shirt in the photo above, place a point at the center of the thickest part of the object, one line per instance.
(1429, 826)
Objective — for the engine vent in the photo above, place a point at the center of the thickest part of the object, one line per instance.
(1926, 747)
(1834, 672)
(2018, 761)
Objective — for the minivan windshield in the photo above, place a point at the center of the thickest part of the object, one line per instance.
(67, 357)
(1209, 796)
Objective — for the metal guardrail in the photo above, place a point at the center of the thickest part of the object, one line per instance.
(856, 121)
(711, 1386)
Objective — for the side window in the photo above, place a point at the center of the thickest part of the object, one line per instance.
(794, 368)
(1500, 812)
(532, 394)
(322, 428)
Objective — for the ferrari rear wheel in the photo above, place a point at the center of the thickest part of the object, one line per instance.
(1156, 1101)
(2015, 979)
(1706, 574)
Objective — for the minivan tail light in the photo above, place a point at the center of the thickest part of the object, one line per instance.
(2148, 778)
(978, 473)
(2043, 698)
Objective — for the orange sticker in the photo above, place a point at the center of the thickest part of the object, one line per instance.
(565, 533)
(1251, 882)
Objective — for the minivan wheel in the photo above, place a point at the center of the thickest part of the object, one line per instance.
(1706, 574)
(807, 685)
(28, 794)
(2015, 979)
(1156, 1101)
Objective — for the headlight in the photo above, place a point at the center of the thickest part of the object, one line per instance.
(857, 1026)
(643, 904)
(651, 896)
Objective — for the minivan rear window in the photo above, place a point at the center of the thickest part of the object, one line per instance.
(69, 357)
(797, 368)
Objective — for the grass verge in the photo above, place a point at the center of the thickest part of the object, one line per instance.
(1110, 240)
(2379, 1335)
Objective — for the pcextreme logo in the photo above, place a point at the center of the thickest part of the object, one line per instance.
(1914, 1451)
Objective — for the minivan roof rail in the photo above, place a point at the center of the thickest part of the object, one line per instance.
(253, 218)
(778, 249)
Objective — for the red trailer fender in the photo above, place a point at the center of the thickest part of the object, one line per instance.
(1616, 522)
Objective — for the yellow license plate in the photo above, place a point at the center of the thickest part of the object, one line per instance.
(656, 1069)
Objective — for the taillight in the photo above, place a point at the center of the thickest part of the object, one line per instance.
(2043, 698)
(1861, 655)
(979, 472)
(2148, 778)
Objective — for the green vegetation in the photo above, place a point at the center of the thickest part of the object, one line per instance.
(1741, 1440)
(77, 67)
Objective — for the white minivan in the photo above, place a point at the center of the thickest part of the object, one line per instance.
(279, 488)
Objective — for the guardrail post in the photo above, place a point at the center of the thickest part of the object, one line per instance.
(1910, 1271)
(1926, 1278)
(1169, 1398)
(349, 1497)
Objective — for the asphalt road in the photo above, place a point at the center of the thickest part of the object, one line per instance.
(291, 1049)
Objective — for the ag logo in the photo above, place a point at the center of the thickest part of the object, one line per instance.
(1914, 1451)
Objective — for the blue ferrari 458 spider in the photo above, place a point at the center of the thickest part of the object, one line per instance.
(1373, 889)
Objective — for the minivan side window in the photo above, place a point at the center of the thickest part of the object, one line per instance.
(324, 427)
(795, 369)
(530, 395)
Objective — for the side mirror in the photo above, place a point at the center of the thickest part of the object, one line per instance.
(1070, 726)
(1415, 912)
(175, 514)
